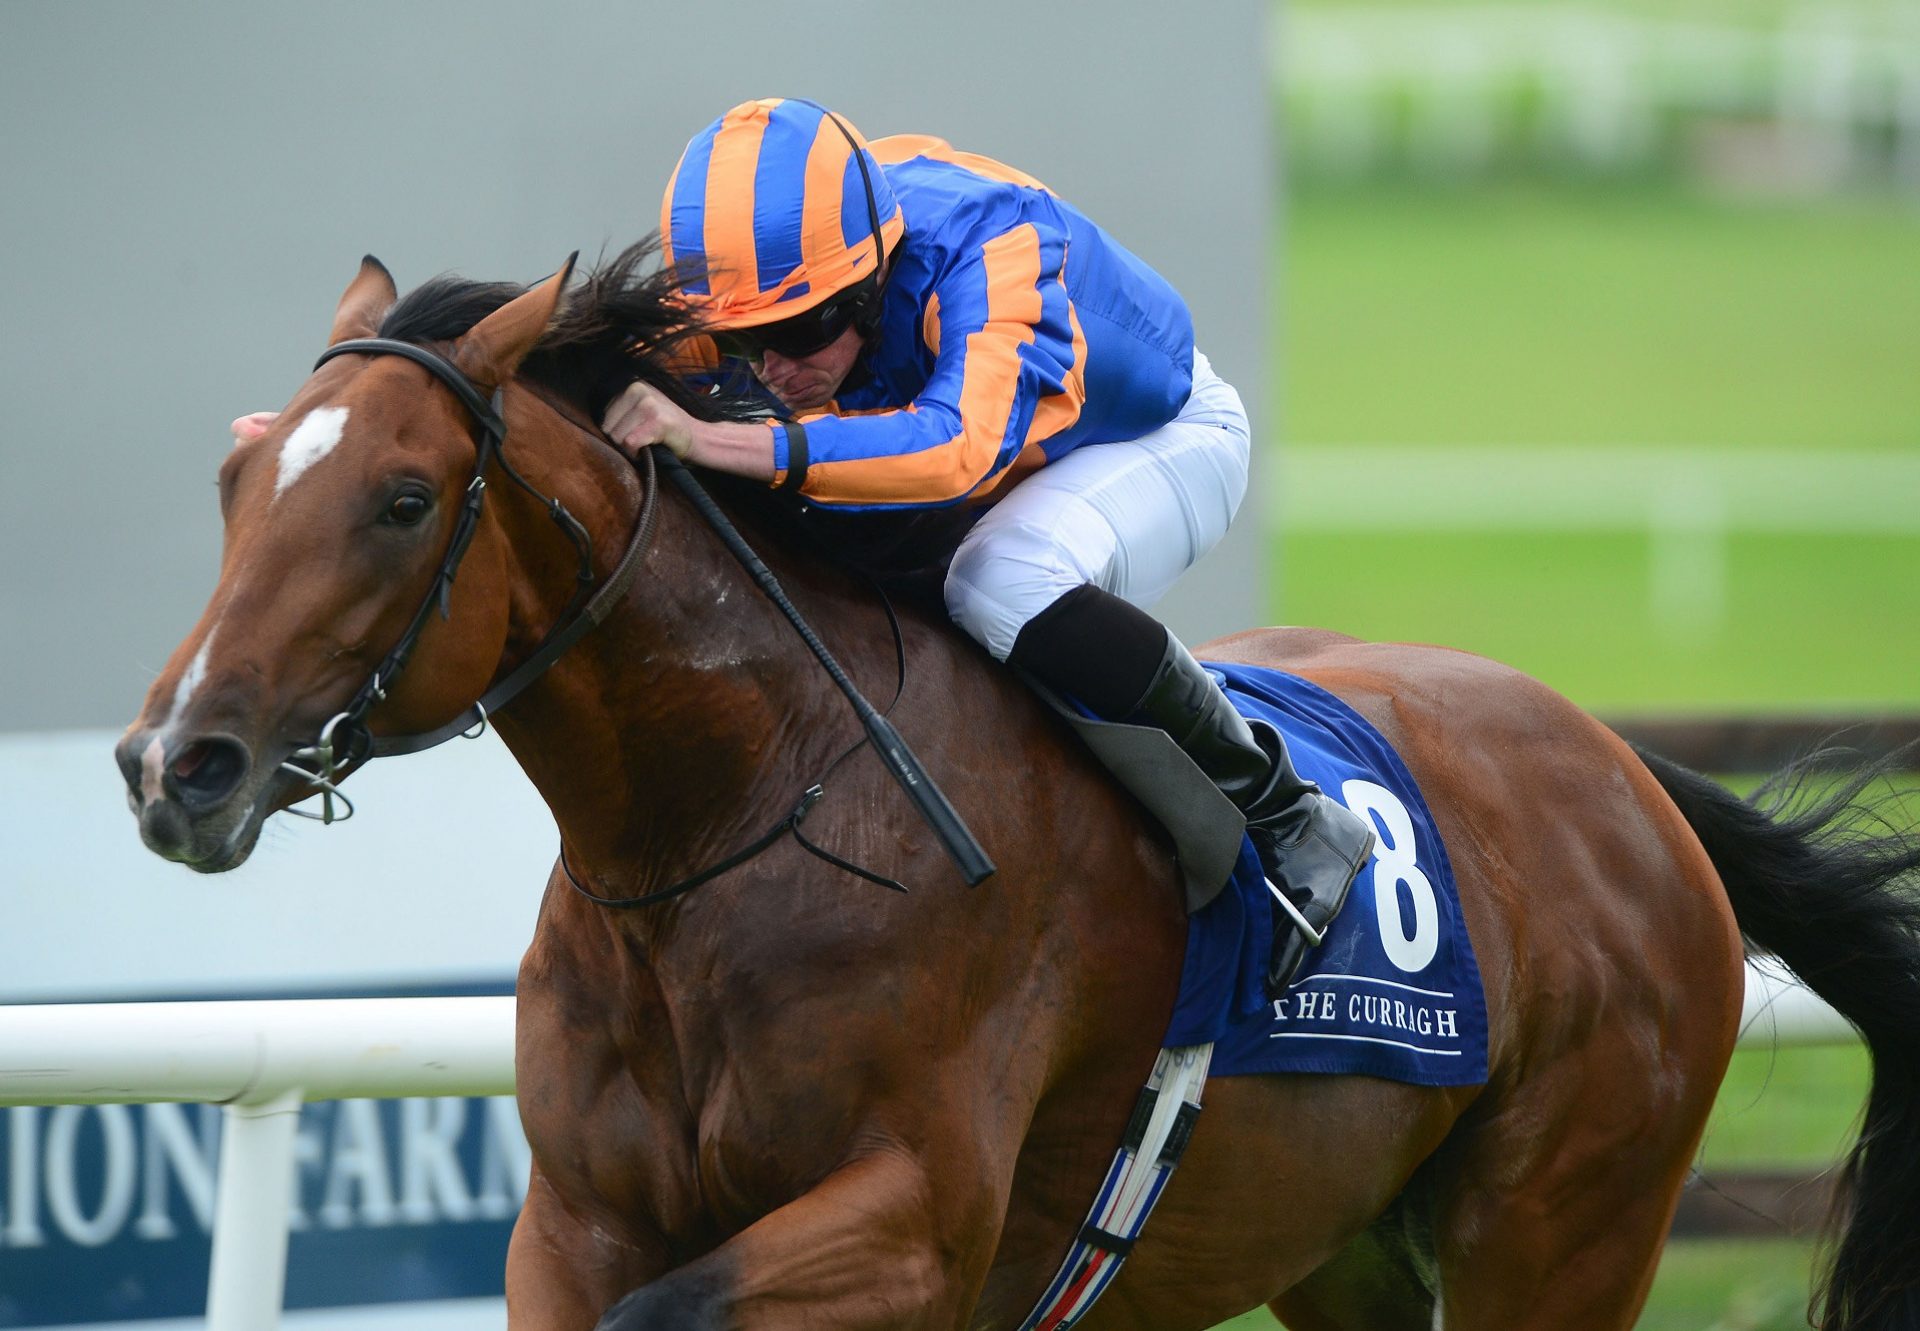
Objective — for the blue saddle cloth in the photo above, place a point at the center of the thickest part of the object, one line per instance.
(1394, 991)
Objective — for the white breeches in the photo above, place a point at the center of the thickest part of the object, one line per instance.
(1127, 517)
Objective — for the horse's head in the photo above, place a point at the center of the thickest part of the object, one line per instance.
(337, 522)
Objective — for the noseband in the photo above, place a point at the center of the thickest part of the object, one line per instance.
(345, 740)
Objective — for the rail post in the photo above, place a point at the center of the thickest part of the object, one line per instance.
(248, 1274)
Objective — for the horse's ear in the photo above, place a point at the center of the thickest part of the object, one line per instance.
(493, 348)
(365, 302)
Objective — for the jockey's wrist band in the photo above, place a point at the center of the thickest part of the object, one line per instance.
(796, 456)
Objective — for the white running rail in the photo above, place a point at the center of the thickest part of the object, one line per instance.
(262, 1060)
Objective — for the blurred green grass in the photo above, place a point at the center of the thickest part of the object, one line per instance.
(1538, 315)
(1531, 312)
(1530, 315)
(1788, 1108)
(1808, 619)
(1765, 15)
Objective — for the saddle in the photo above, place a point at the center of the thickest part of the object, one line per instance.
(1206, 827)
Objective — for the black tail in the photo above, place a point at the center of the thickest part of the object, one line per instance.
(1827, 885)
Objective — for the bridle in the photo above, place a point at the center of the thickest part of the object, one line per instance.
(345, 739)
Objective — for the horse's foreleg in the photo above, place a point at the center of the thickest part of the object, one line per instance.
(882, 1243)
(1373, 1284)
(561, 1271)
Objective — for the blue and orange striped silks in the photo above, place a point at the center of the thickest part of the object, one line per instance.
(1012, 330)
(768, 208)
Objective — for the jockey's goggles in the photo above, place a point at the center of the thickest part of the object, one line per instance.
(805, 333)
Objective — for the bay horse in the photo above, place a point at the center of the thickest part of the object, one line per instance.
(793, 1098)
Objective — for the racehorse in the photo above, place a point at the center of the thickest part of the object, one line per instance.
(791, 1097)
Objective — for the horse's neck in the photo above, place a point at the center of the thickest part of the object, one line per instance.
(693, 717)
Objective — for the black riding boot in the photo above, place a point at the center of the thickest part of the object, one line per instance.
(1126, 666)
(1311, 847)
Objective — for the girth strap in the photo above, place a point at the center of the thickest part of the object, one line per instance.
(1150, 1149)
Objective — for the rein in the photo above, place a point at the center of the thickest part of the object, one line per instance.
(345, 739)
(896, 756)
(790, 824)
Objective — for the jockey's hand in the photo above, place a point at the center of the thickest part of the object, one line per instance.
(643, 415)
(250, 427)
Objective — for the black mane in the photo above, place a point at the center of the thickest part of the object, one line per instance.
(629, 319)
(442, 308)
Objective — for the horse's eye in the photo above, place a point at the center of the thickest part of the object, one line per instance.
(407, 509)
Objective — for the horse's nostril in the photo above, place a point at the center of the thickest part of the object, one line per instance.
(206, 771)
(128, 759)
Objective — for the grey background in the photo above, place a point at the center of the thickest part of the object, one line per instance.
(184, 190)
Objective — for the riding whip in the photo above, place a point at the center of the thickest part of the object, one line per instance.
(895, 755)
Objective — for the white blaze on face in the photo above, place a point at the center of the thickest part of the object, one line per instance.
(310, 441)
(190, 679)
(151, 763)
(153, 759)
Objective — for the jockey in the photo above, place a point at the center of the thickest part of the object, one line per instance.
(941, 329)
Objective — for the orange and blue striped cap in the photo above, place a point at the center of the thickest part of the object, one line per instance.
(768, 208)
